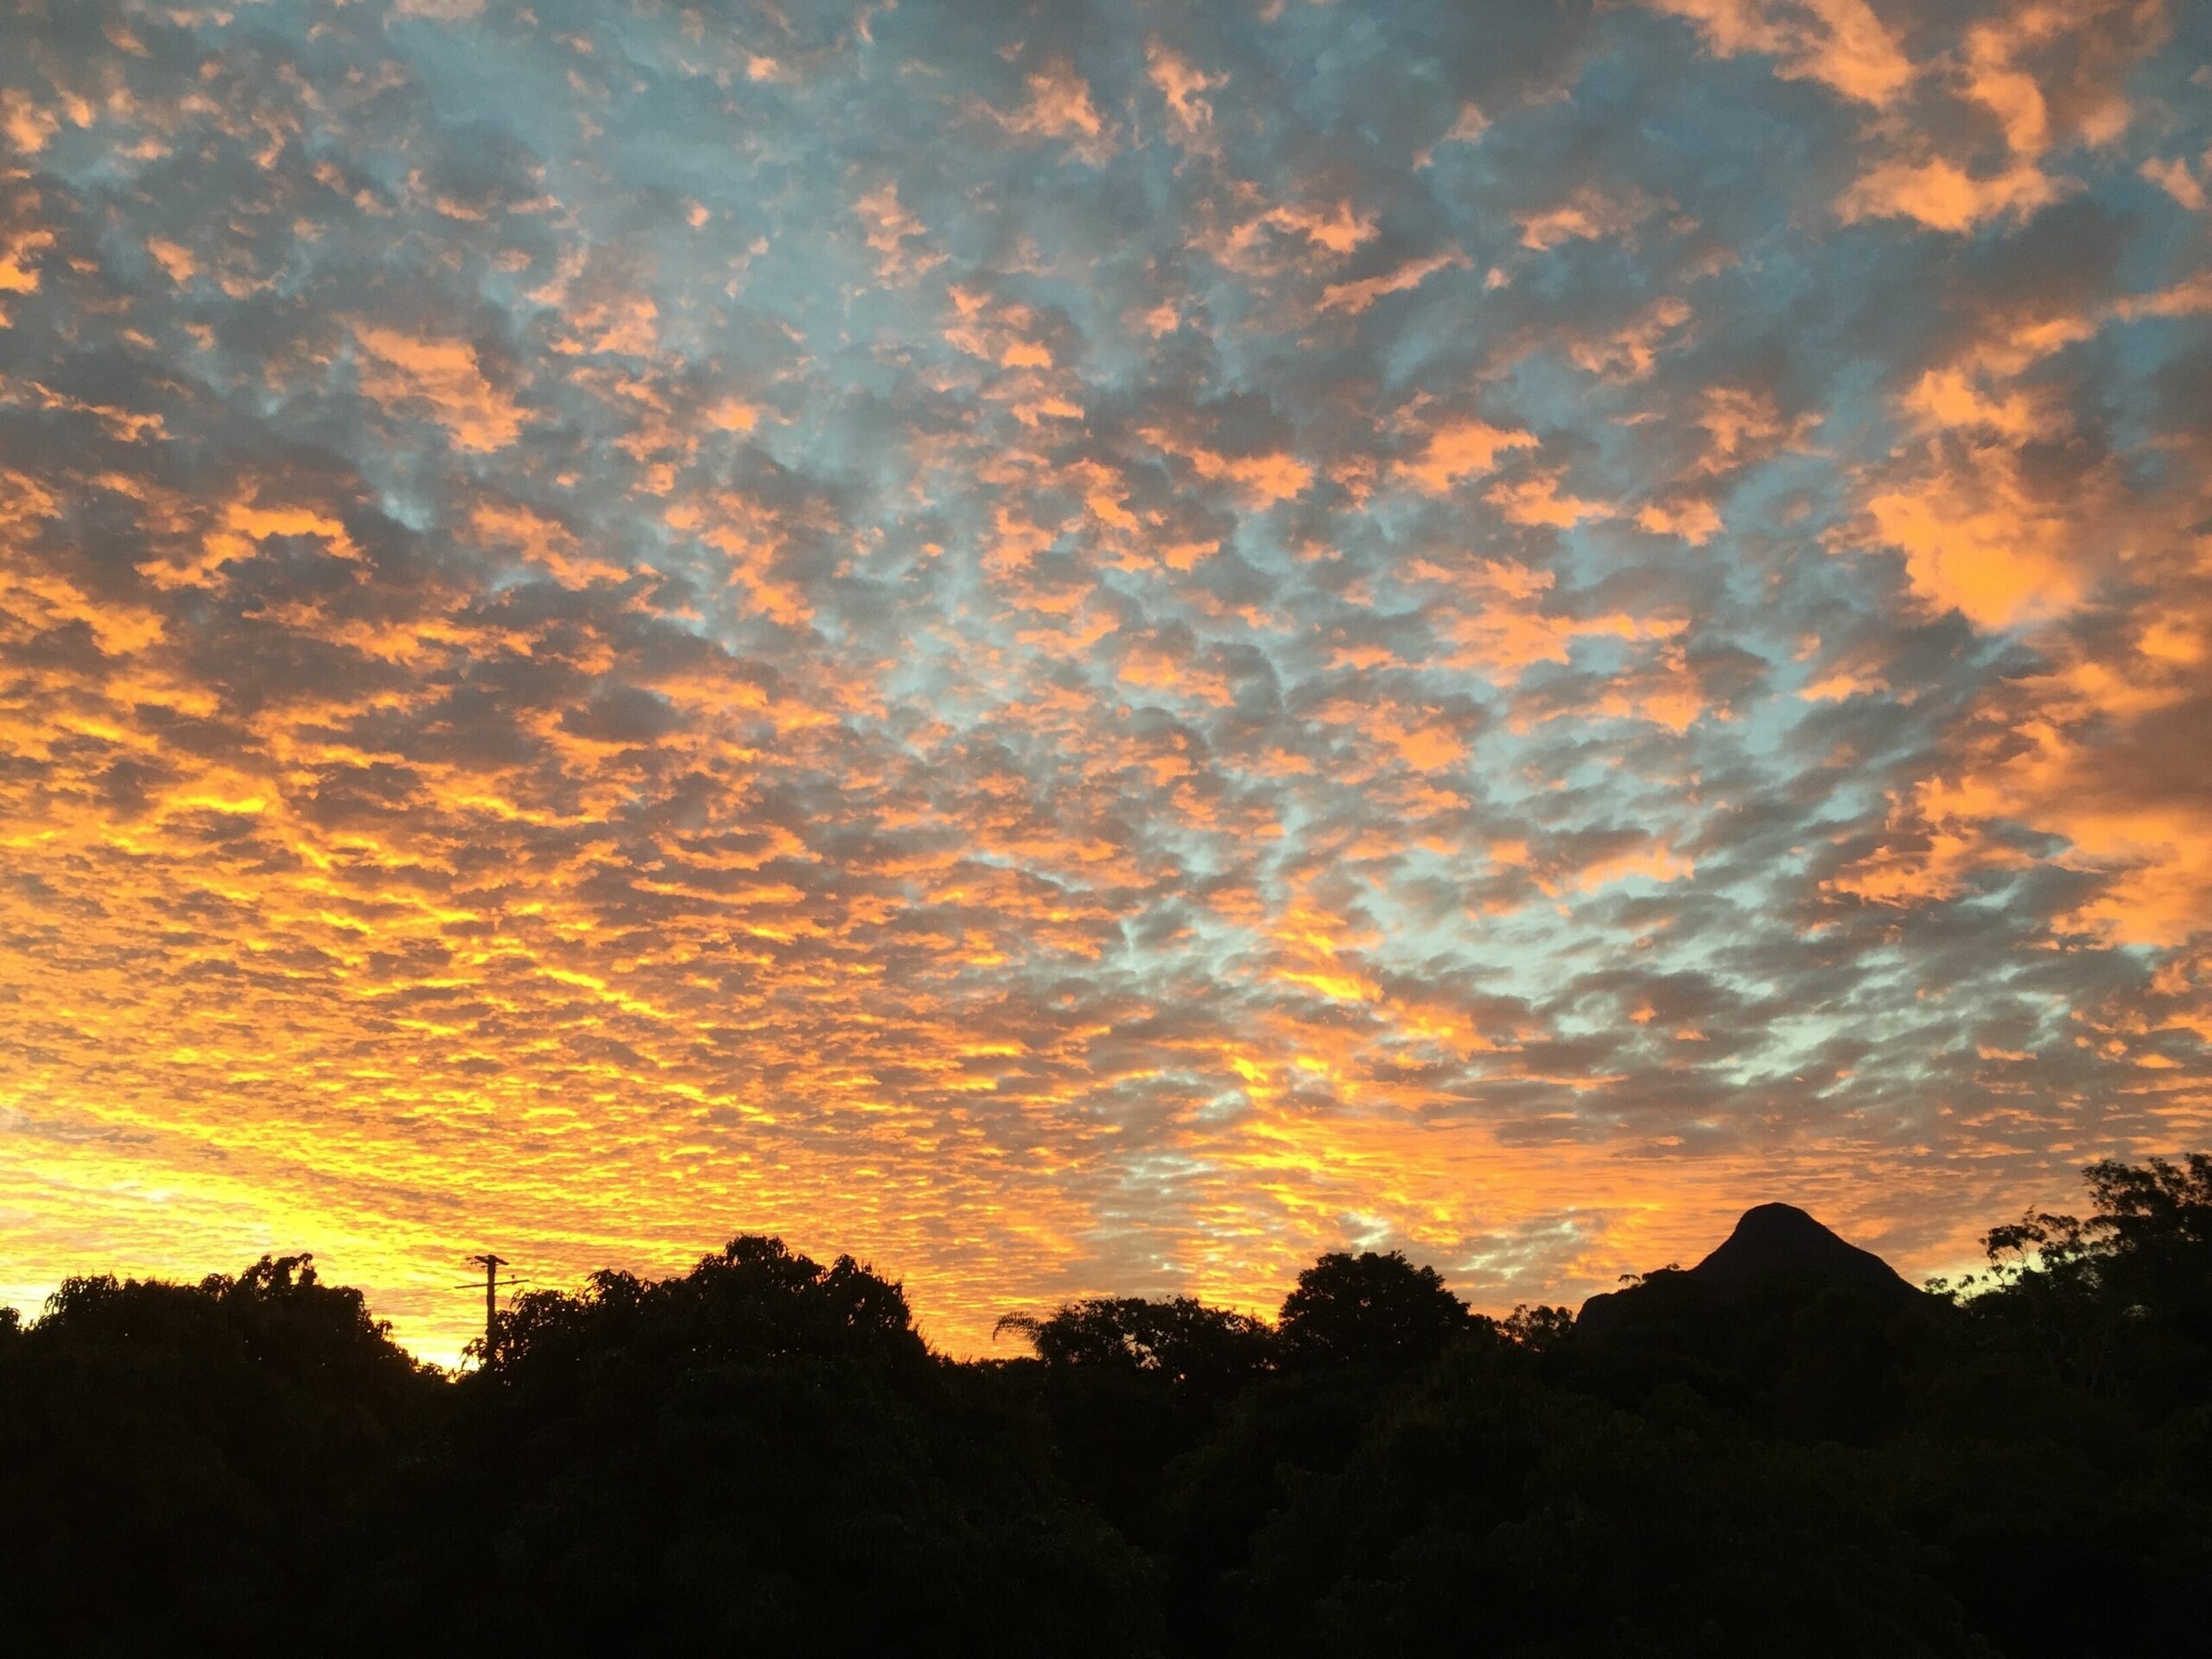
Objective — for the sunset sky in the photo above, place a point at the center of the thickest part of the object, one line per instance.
(1083, 647)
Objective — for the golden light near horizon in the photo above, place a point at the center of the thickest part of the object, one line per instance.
(1093, 647)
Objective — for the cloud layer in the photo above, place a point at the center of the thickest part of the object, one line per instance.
(1094, 647)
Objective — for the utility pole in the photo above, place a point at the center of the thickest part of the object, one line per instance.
(491, 1264)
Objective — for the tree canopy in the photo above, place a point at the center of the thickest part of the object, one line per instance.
(1370, 1309)
(1793, 1452)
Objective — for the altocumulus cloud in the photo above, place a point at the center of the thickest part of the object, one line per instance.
(1087, 645)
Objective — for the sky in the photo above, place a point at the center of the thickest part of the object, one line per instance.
(1085, 647)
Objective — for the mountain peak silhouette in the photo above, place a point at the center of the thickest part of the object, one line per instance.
(1774, 1247)
(1779, 1243)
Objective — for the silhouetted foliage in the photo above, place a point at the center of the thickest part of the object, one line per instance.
(2121, 1302)
(761, 1455)
(1131, 1385)
(1370, 1309)
(1539, 1329)
(1203, 1350)
(1575, 1528)
(1782, 1449)
(166, 1449)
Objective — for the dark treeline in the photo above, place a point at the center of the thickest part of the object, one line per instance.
(1782, 1450)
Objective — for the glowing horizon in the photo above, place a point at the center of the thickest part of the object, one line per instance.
(1094, 648)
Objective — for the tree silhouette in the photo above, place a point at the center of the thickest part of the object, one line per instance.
(195, 1434)
(1789, 1450)
(1208, 1350)
(1371, 1309)
(762, 1452)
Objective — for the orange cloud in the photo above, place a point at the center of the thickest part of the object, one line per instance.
(1184, 86)
(2045, 74)
(1943, 196)
(1264, 478)
(1496, 614)
(1629, 352)
(1973, 538)
(1355, 296)
(1059, 107)
(1695, 521)
(1536, 501)
(1842, 44)
(1461, 450)
(2172, 175)
(26, 126)
(1338, 229)
(890, 226)
(1588, 214)
(18, 248)
(173, 258)
(439, 378)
